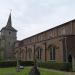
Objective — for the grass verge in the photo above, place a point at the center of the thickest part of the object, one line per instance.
(25, 71)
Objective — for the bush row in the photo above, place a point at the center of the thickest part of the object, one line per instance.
(49, 65)
(57, 66)
(14, 63)
(26, 63)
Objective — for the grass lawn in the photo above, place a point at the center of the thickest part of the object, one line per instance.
(12, 71)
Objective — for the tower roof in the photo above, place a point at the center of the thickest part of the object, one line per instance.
(9, 24)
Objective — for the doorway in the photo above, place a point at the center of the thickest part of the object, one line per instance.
(70, 59)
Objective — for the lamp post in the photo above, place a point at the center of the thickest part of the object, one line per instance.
(18, 66)
(17, 61)
(34, 70)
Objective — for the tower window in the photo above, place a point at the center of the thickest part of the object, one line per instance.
(9, 33)
(52, 53)
(9, 43)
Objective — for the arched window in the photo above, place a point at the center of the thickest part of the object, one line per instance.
(70, 58)
(30, 53)
(52, 52)
(38, 53)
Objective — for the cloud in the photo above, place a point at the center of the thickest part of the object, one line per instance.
(33, 16)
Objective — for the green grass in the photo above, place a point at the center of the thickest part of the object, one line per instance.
(50, 72)
(25, 71)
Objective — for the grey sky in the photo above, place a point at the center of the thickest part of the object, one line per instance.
(30, 17)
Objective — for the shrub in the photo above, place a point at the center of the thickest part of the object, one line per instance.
(7, 64)
(57, 66)
(26, 63)
(4, 64)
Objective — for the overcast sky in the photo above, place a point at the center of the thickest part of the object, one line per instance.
(30, 17)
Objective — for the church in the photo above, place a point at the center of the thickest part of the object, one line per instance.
(7, 41)
(54, 45)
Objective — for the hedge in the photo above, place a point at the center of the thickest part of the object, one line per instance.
(26, 63)
(4, 64)
(57, 66)
(49, 65)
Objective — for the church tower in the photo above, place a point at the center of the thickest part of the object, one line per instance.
(8, 39)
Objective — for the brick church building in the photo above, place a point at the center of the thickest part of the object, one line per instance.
(56, 44)
(53, 45)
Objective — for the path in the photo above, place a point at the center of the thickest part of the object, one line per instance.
(65, 73)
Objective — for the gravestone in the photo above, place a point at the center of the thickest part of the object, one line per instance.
(34, 70)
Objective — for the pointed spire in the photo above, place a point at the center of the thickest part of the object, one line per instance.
(9, 23)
